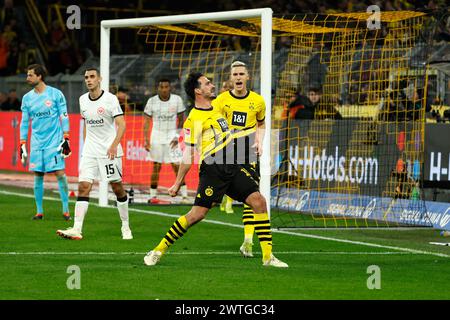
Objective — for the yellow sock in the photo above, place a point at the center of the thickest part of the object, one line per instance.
(247, 219)
(262, 229)
(223, 203)
(176, 231)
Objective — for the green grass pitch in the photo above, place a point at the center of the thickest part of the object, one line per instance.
(205, 264)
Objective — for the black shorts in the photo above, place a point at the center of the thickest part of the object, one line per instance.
(253, 168)
(216, 180)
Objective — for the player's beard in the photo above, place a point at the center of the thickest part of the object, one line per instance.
(212, 94)
(33, 84)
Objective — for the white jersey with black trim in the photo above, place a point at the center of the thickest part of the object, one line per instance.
(98, 115)
(164, 117)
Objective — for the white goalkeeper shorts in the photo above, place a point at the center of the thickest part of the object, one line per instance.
(163, 153)
(100, 169)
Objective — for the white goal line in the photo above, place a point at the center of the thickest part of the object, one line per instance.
(200, 253)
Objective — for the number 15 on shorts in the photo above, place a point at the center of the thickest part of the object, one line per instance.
(112, 169)
(109, 169)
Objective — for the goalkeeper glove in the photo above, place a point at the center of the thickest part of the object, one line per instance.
(23, 152)
(65, 148)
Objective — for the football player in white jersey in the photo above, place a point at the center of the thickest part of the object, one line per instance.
(102, 152)
(166, 111)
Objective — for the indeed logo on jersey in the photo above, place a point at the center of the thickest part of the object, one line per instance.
(96, 123)
(42, 114)
(166, 117)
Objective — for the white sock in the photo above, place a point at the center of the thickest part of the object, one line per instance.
(81, 208)
(248, 238)
(153, 192)
(123, 213)
(183, 190)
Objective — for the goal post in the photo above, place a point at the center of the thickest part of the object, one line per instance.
(265, 16)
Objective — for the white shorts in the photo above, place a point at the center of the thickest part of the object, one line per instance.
(162, 153)
(100, 169)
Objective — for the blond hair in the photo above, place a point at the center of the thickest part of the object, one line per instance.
(238, 64)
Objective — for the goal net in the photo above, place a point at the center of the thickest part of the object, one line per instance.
(352, 156)
(357, 160)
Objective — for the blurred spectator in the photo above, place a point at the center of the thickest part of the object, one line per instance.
(8, 34)
(393, 107)
(316, 69)
(66, 57)
(4, 101)
(124, 100)
(14, 27)
(55, 42)
(56, 34)
(4, 50)
(22, 58)
(414, 104)
(13, 102)
(283, 42)
(304, 107)
(7, 12)
(403, 183)
(25, 58)
(13, 58)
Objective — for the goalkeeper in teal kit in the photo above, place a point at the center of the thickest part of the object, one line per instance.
(46, 107)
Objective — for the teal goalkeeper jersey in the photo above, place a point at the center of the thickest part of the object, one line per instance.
(48, 114)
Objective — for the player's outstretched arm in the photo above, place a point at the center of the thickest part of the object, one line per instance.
(185, 166)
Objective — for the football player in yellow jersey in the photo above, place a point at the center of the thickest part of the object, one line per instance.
(227, 202)
(245, 112)
(207, 131)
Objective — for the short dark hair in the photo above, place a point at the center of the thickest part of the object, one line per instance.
(317, 90)
(38, 69)
(163, 80)
(192, 83)
(92, 69)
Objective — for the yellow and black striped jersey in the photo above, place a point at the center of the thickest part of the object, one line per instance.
(242, 113)
(207, 130)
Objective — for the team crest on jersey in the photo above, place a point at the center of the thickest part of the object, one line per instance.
(101, 110)
(48, 103)
(32, 165)
(172, 109)
(209, 191)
